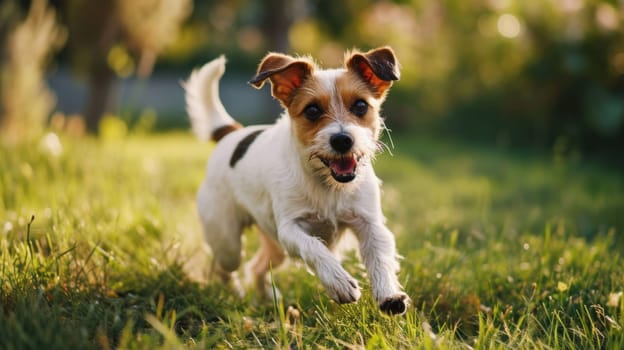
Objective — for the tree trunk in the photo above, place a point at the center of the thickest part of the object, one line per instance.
(101, 76)
(276, 22)
(100, 94)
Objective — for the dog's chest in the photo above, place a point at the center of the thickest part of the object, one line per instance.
(328, 230)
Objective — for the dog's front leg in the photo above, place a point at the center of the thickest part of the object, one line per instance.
(340, 286)
(378, 251)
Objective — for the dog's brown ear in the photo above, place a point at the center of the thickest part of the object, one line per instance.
(285, 73)
(377, 67)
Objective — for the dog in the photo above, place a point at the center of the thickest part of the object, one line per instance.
(304, 180)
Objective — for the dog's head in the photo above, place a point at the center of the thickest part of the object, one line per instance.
(334, 112)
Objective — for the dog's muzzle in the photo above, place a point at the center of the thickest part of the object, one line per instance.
(344, 166)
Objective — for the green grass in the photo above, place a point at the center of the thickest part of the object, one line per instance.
(501, 250)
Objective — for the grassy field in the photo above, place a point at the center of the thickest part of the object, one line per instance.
(100, 248)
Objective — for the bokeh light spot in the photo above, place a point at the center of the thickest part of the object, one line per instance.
(607, 17)
(508, 25)
(120, 61)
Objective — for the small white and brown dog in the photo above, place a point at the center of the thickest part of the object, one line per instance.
(304, 180)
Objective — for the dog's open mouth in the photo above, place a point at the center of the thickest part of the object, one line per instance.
(343, 168)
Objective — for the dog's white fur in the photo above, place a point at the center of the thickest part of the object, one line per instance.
(279, 186)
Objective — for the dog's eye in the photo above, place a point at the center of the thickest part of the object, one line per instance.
(359, 108)
(313, 112)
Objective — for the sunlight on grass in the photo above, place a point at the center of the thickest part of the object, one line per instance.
(501, 250)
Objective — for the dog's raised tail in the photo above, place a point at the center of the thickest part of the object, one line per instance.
(209, 120)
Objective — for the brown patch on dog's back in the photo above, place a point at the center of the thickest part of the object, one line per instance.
(220, 132)
(243, 146)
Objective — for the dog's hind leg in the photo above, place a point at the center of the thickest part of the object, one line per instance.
(221, 225)
(225, 244)
(222, 231)
(269, 256)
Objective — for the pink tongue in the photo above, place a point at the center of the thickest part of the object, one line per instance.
(343, 166)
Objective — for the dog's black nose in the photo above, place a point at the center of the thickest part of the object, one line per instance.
(341, 142)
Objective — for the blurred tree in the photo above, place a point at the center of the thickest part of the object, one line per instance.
(151, 25)
(276, 18)
(107, 36)
(94, 29)
(25, 100)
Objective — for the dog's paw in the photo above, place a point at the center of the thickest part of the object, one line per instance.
(270, 292)
(396, 304)
(344, 290)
